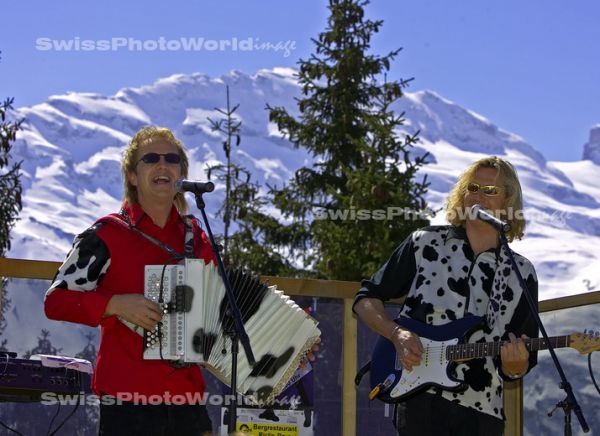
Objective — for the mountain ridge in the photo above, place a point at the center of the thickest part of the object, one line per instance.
(71, 147)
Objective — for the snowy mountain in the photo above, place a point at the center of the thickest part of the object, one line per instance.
(71, 147)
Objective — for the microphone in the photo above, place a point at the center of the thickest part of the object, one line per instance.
(478, 212)
(194, 187)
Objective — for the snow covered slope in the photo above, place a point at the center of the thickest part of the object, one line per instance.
(71, 146)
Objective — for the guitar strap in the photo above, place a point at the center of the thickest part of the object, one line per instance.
(361, 372)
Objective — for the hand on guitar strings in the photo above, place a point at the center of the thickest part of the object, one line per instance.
(408, 347)
(514, 356)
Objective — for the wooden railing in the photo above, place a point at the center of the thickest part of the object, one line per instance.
(513, 394)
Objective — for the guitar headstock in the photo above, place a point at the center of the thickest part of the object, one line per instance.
(585, 342)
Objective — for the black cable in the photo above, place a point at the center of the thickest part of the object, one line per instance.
(66, 418)
(592, 372)
(78, 396)
(53, 418)
(11, 429)
(160, 303)
(7, 356)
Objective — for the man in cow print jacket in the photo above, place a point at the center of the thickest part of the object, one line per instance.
(446, 273)
(102, 283)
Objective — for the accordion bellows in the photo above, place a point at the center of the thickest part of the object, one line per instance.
(197, 317)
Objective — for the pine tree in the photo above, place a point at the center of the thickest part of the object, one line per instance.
(89, 351)
(10, 192)
(10, 183)
(229, 172)
(364, 172)
(247, 247)
(44, 346)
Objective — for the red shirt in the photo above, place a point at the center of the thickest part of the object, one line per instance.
(109, 259)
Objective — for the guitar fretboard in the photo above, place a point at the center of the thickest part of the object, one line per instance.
(484, 349)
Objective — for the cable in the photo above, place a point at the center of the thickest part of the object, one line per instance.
(53, 418)
(7, 356)
(66, 419)
(78, 396)
(11, 429)
(160, 303)
(592, 372)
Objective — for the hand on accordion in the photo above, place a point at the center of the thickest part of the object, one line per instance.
(134, 308)
(311, 354)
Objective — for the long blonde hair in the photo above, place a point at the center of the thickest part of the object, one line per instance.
(146, 135)
(513, 203)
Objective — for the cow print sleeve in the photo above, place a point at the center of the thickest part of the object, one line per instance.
(72, 296)
(85, 265)
(395, 277)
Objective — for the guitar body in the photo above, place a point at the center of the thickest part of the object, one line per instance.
(397, 384)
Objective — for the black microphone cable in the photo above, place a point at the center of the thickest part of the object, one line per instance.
(592, 372)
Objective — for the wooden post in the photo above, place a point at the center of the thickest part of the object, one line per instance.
(350, 350)
(513, 408)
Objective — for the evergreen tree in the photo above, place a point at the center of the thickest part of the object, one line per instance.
(89, 352)
(44, 346)
(345, 209)
(229, 172)
(247, 247)
(10, 192)
(10, 184)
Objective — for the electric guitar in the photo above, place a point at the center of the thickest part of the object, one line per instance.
(444, 347)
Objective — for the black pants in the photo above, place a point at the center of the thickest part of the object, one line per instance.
(432, 415)
(146, 420)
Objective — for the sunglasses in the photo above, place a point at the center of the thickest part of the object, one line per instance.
(152, 158)
(489, 190)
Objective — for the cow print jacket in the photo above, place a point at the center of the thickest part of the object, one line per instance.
(435, 268)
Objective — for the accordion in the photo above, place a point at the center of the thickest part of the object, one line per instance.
(196, 317)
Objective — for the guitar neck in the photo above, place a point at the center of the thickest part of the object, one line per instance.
(484, 349)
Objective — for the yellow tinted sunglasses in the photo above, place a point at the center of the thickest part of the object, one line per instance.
(489, 190)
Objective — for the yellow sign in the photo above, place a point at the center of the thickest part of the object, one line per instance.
(260, 429)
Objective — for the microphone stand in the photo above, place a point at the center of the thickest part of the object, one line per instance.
(570, 402)
(237, 332)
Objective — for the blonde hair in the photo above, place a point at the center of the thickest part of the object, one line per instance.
(513, 203)
(147, 135)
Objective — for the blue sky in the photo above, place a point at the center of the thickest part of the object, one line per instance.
(532, 67)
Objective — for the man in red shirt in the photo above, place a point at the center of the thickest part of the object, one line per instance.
(101, 283)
